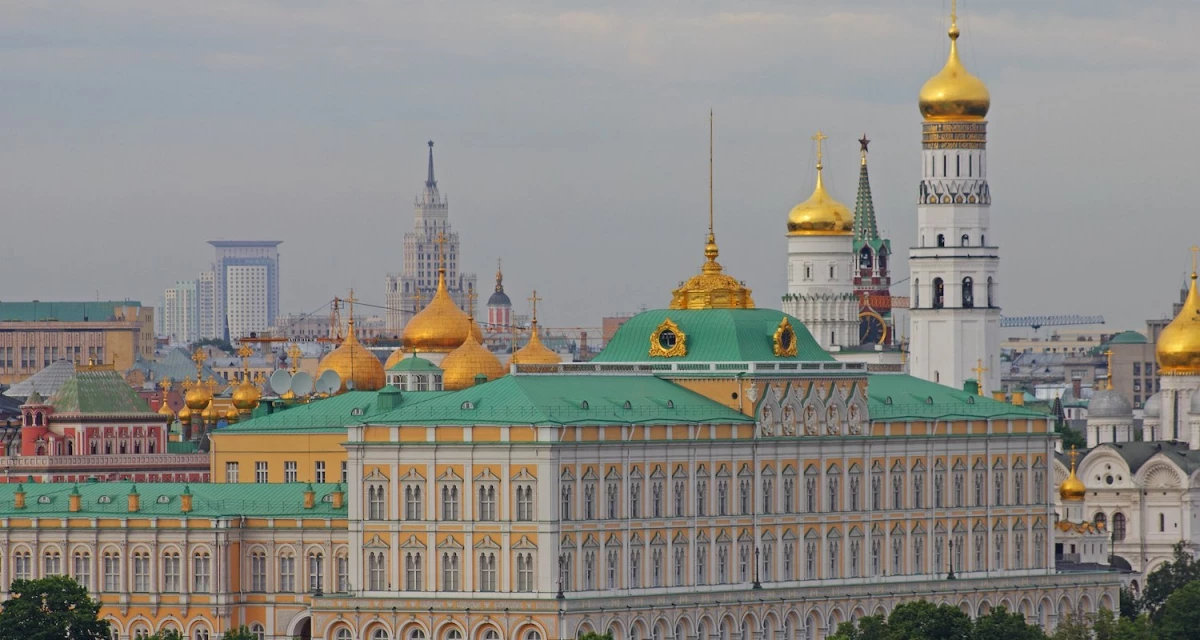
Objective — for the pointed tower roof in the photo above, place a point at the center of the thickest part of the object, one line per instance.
(499, 298)
(864, 206)
(430, 182)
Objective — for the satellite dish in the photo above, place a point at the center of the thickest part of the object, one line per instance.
(281, 381)
(302, 384)
(329, 382)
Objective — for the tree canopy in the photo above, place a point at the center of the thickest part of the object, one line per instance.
(51, 608)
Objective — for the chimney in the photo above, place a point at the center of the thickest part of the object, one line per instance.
(19, 497)
(338, 496)
(310, 497)
(999, 396)
(185, 500)
(135, 500)
(76, 501)
(1018, 398)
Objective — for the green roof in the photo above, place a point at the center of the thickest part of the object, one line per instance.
(1127, 337)
(566, 399)
(898, 397)
(712, 335)
(161, 499)
(62, 311)
(415, 364)
(331, 414)
(99, 393)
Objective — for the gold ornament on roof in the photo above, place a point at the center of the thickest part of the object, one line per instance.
(1072, 488)
(199, 394)
(711, 288)
(165, 408)
(441, 326)
(358, 368)
(668, 341)
(979, 371)
(820, 215)
(209, 415)
(246, 395)
(1178, 346)
(784, 340)
(954, 94)
(534, 352)
(461, 367)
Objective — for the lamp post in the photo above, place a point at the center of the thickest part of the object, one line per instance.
(757, 584)
(950, 576)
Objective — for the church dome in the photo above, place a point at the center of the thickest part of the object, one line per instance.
(1153, 406)
(499, 299)
(1178, 346)
(461, 366)
(165, 408)
(534, 352)
(245, 396)
(1107, 403)
(712, 288)
(358, 368)
(209, 414)
(820, 215)
(185, 415)
(441, 326)
(954, 94)
(198, 397)
(1072, 489)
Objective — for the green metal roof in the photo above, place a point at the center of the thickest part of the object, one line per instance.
(712, 335)
(415, 364)
(161, 499)
(98, 393)
(331, 414)
(1127, 337)
(62, 311)
(566, 399)
(897, 397)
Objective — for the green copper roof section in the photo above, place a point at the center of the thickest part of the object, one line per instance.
(415, 364)
(62, 311)
(1127, 337)
(331, 414)
(712, 335)
(99, 393)
(161, 499)
(560, 399)
(866, 231)
(898, 397)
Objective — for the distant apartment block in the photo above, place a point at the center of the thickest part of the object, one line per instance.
(35, 334)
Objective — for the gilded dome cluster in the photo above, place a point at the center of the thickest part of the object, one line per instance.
(954, 93)
(440, 327)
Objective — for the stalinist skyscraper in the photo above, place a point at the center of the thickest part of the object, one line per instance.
(408, 291)
(955, 308)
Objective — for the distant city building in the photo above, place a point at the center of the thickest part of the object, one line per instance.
(181, 312)
(499, 307)
(205, 306)
(33, 335)
(419, 277)
(245, 286)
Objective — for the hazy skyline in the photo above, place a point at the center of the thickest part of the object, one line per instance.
(572, 141)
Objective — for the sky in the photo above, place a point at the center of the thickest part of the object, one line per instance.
(572, 141)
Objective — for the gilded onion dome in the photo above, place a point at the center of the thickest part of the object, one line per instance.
(470, 360)
(209, 414)
(441, 326)
(197, 397)
(358, 368)
(534, 352)
(185, 414)
(231, 416)
(246, 396)
(1178, 346)
(397, 355)
(165, 408)
(954, 94)
(1072, 488)
(820, 215)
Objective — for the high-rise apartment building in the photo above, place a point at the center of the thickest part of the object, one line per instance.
(205, 305)
(181, 312)
(245, 286)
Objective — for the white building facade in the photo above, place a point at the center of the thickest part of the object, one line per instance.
(245, 286)
(181, 312)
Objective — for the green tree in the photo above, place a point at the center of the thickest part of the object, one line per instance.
(1073, 627)
(999, 624)
(592, 635)
(1106, 626)
(52, 608)
(867, 628)
(921, 620)
(1070, 437)
(219, 343)
(243, 633)
(1179, 616)
(1130, 605)
(169, 634)
(1169, 578)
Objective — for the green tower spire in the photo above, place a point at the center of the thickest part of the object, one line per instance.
(865, 230)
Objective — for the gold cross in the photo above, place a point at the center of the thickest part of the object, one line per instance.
(1073, 454)
(416, 296)
(954, 12)
(441, 242)
(979, 371)
(471, 295)
(1108, 356)
(199, 357)
(293, 353)
(820, 137)
(534, 299)
(1195, 250)
(166, 386)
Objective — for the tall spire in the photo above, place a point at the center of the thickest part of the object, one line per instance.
(430, 182)
(864, 207)
(499, 277)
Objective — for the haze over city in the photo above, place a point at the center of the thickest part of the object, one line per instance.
(572, 141)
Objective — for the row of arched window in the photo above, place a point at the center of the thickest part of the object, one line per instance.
(379, 632)
(959, 166)
(449, 572)
(487, 506)
(966, 293)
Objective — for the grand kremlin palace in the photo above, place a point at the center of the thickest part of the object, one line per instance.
(713, 474)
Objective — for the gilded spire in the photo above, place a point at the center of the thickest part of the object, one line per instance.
(954, 94)
(1108, 358)
(712, 288)
(865, 229)
(499, 277)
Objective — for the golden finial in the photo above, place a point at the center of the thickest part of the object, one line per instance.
(1108, 356)
(820, 138)
(953, 20)
(534, 299)
(416, 296)
(1073, 454)
(165, 385)
(441, 243)
(350, 308)
(1195, 250)
(471, 296)
(979, 371)
(293, 354)
(710, 247)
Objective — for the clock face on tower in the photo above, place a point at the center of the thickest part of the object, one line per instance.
(871, 328)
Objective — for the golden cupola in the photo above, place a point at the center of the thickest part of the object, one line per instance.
(820, 215)
(534, 352)
(358, 368)
(461, 367)
(712, 288)
(1178, 346)
(246, 394)
(1072, 489)
(441, 326)
(954, 94)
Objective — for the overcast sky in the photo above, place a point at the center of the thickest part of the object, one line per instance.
(572, 140)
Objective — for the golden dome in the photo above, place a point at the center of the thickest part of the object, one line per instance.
(1072, 488)
(165, 408)
(1178, 347)
(185, 415)
(396, 357)
(820, 215)
(245, 396)
(231, 416)
(358, 368)
(712, 288)
(441, 326)
(197, 397)
(461, 366)
(954, 94)
(209, 414)
(534, 352)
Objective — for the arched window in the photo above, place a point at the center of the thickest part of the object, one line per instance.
(416, 634)
(1118, 527)
(990, 300)
(882, 262)
(1100, 519)
(917, 293)
(968, 292)
(941, 240)
(966, 239)
(864, 258)
(379, 634)
(939, 293)
(260, 633)
(343, 634)
(454, 634)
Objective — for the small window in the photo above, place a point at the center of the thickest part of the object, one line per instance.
(104, 500)
(43, 499)
(164, 499)
(467, 405)
(628, 405)
(583, 405)
(670, 404)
